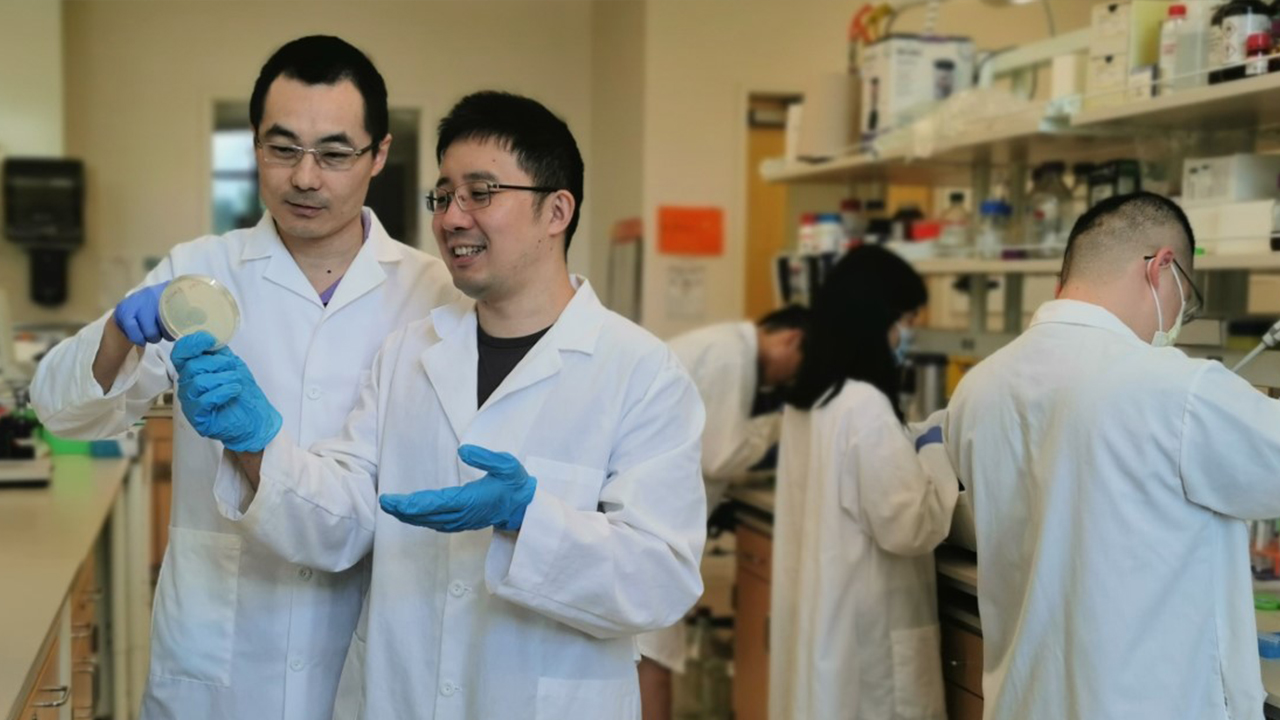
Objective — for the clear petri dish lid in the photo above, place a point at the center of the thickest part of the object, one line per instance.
(192, 303)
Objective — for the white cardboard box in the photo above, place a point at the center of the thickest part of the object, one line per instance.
(904, 75)
(1230, 179)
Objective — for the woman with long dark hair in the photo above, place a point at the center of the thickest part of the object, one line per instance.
(854, 619)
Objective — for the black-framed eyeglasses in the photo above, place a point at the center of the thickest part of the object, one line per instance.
(473, 195)
(1195, 303)
(328, 157)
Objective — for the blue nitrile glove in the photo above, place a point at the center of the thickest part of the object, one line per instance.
(138, 316)
(498, 499)
(930, 436)
(219, 396)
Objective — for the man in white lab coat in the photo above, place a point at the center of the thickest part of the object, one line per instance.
(237, 631)
(1110, 474)
(731, 364)
(543, 452)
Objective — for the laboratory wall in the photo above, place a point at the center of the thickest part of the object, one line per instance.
(702, 59)
(31, 120)
(614, 181)
(143, 78)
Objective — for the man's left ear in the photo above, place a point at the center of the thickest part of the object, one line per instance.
(380, 160)
(562, 206)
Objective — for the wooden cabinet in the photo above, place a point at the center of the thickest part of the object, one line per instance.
(962, 669)
(50, 693)
(86, 634)
(962, 704)
(159, 438)
(751, 625)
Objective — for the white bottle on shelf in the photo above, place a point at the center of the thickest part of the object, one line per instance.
(1171, 31)
(993, 229)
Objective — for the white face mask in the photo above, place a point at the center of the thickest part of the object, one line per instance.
(1163, 338)
(905, 336)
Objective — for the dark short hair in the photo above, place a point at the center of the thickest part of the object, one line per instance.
(791, 317)
(543, 146)
(326, 60)
(1128, 214)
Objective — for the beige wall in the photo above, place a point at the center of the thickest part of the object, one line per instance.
(30, 118)
(614, 182)
(702, 59)
(143, 77)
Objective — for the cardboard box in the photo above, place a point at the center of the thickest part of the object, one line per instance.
(903, 76)
(1234, 228)
(1107, 81)
(1128, 28)
(1230, 179)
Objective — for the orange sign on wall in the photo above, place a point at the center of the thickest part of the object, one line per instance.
(690, 230)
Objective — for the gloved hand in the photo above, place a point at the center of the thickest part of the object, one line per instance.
(929, 437)
(138, 316)
(498, 499)
(219, 396)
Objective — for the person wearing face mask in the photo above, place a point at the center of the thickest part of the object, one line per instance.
(862, 501)
(1110, 474)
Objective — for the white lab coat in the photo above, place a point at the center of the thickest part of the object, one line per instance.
(854, 630)
(538, 624)
(1107, 477)
(723, 361)
(237, 632)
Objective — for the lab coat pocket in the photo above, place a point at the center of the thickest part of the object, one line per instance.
(193, 625)
(576, 485)
(560, 699)
(917, 673)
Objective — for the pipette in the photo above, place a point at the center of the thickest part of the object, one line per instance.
(1269, 340)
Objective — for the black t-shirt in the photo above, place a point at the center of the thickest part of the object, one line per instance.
(498, 357)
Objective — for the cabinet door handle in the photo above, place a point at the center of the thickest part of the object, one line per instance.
(82, 630)
(64, 694)
(752, 559)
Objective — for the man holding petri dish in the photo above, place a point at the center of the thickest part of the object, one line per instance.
(524, 463)
(311, 292)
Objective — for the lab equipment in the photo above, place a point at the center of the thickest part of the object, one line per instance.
(954, 239)
(1269, 645)
(198, 303)
(1117, 177)
(138, 316)
(828, 236)
(1049, 201)
(993, 228)
(496, 500)
(1232, 25)
(853, 222)
(44, 212)
(1269, 340)
(220, 397)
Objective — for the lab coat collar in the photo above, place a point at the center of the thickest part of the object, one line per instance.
(451, 360)
(1076, 312)
(364, 274)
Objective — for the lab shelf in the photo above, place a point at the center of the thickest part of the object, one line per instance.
(970, 266)
(1026, 137)
(1245, 103)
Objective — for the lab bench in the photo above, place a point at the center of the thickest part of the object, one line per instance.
(74, 629)
(957, 570)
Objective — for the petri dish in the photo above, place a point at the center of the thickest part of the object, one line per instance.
(192, 303)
